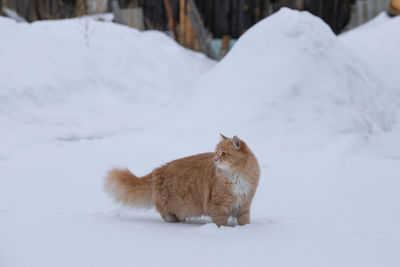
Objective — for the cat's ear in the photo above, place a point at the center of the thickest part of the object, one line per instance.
(235, 143)
(223, 137)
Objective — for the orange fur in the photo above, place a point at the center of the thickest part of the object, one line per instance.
(220, 185)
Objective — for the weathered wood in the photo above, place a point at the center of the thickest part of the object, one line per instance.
(182, 29)
(186, 34)
(299, 4)
(133, 17)
(96, 6)
(203, 36)
(365, 10)
(190, 36)
(80, 8)
(170, 17)
(224, 46)
(118, 17)
(37, 10)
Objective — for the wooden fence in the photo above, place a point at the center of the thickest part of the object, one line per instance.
(55, 9)
(221, 17)
(218, 19)
(365, 10)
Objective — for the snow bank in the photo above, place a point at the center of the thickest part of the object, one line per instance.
(377, 43)
(289, 73)
(86, 77)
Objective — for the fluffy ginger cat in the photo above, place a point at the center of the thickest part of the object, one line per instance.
(220, 185)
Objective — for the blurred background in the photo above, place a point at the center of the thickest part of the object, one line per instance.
(211, 26)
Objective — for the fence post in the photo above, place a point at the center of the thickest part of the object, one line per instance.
(203, 36)
(224, 46)
(117, 12)
(170, 16)
(299, 4)
(37, 10)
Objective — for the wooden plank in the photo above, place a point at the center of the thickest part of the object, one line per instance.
(203, 36)
(370, 9)
(224, 46)
(138, 18)
(170, 17)
(80, 7)
(133, 17)
(186, 34)
(37, 10)
(182, 29)
(118, 17)
(190, 36)
(299, 4)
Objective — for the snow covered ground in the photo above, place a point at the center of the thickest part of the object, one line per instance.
(320, 112)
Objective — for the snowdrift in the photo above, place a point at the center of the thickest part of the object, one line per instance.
(287, 75)
(377, 43)
(290, 73)
(82, 78)
(86, 68)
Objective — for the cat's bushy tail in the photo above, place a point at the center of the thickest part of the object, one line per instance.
(128, 189)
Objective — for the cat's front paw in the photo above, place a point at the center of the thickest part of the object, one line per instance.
(243, 218)
(220, 220)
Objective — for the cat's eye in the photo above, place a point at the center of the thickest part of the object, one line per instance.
(223, 154)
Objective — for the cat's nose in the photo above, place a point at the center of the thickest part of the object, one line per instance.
(215, 159)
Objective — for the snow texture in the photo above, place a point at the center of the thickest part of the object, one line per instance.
(321, 112)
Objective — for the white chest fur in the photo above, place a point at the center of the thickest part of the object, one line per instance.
(240, 188)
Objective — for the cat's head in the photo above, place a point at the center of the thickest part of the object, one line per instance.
(230, 153)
